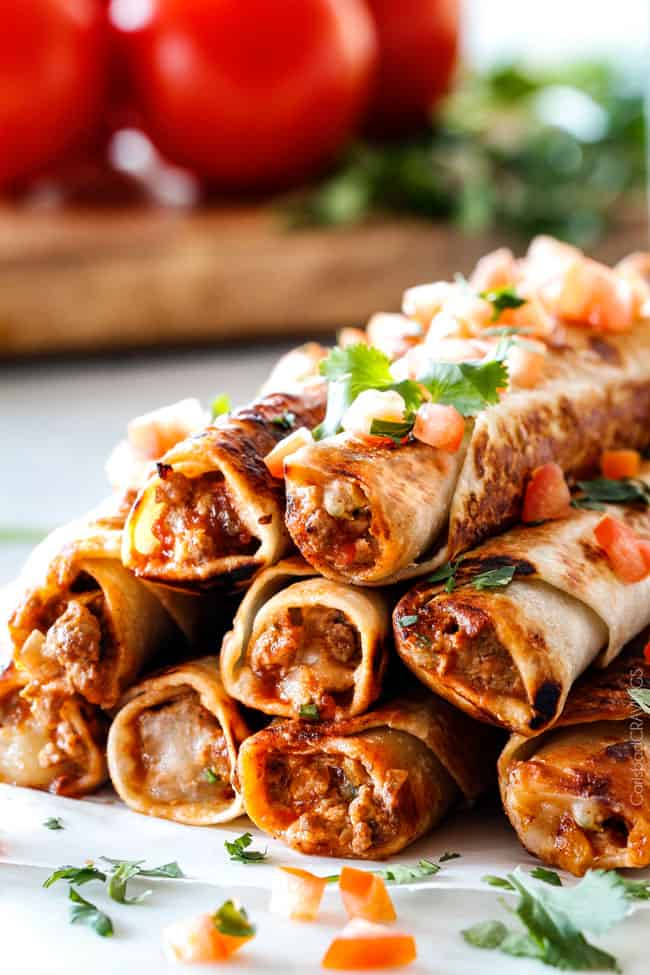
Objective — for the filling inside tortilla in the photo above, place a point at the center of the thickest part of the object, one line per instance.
(73, 639)
(582, 799)
(38, 745)
(181, 752)
(336, 524)
(344, 805)
(307, 655)
(198, 521)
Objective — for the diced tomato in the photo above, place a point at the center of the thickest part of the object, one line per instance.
(439, 426)
(547, 495)
(364, 895)
(347, 552)
(646, 652)
(635, 268)
(628, 558)
(198, 941)
(296, 893)
(352, 336)
(547, 258)
(362, 945)
(393, 334)
(497, 269)
(615, 464)
(370, 405)
(592, 294)
(423, 301)
(443, 348)
(644, 548)
(274, 460)
(533, 317)
(526, 364)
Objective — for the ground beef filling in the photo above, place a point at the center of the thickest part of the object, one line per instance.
(307, 656)
(80, 643)
(182, 752)
(199, 522)
(337, 808)
(459, 642)
(337, 523)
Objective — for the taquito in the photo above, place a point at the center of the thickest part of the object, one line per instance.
(579, 795)
(48, 739)
(510, 654)
(81, 618)
(367, 786)
(302, 642)
(172, 747)
(212, 511)
(372, 515)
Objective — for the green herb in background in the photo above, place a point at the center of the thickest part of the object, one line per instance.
(220, 404)
(15, 535)
(503, 153)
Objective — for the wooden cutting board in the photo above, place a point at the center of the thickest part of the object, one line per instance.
(96, 279)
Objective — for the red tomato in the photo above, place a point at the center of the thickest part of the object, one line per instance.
(616, 464)
(547, 495)
(255, 93)
(52, 82)
(418, 47)
(627, 553)
(439, 426)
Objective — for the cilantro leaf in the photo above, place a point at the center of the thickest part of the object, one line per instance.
(75, 875)
(623, 491)
(495, 578)
(502, 299)
(233, 920)
(486, 934)
(351, 371)
(404, 874)
(494, 881)
(446, 573)
(210, 776)
(53, 822)
(548, 876)
(309, 712)
(86, 913)
(220, 404)
(408, 620)
(284, 421)
(449, 856)
(468, 386)
(396, 431)
(641, 696)
(239, 851)
(118, 881)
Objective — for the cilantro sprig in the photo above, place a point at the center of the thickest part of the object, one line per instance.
(407, 873)
(601, 491)
(239, 851)
(350, 371)
(85, 912)
(497, 577)
(554, 917)
(232, 919)
(501, 299)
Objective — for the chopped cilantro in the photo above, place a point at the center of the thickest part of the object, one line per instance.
(501, 299)
(233, 920)
(239, 852)
(408, 620)
(86, 913)
(210, 776)
(285, 420)
(309, 712)
(220, 404)
(495, 578)
(53, 823)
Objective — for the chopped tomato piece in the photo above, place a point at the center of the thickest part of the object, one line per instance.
(275, 459)
(644, 548)
(423, 301)
(635, 268)
(497, 269)
(362, 945)
(364, 895)
(628, 558)
(592, 294)
(352, 336)
(296, 893)
(199, 941)
(615, 464)
(533, 317)
(646, 652)
(439, 426)
(347, 552)
(547, 258)
(526, 364)
(547, 495)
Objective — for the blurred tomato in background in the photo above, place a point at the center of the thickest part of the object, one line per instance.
(53, 77)
(249, 94)
(418, 48)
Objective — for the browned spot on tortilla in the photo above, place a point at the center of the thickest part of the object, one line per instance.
(545, 703)
(591, 785)
(621, 751)
(605, 351)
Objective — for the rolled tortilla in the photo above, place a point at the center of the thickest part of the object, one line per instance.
(302, 641)
(579, 795)
(510, 655)
(48, 739)
(373, 515)
(213, 512)
(172, 747)
(79, 617)
(368, 786)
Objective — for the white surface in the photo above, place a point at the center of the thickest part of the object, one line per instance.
(38, 940)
